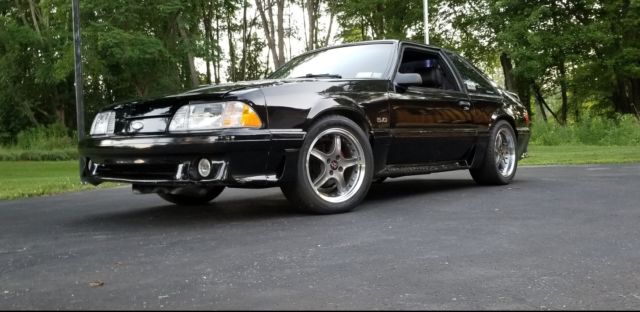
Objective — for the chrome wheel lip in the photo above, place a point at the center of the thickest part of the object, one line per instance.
(333, 160)
(505, 152)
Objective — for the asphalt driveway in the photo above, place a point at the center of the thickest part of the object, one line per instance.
(557, 238)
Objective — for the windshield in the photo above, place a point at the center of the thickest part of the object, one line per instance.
(368, 61)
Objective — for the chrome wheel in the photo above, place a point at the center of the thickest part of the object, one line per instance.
(335, 165)
(505, 152)
(499, 163)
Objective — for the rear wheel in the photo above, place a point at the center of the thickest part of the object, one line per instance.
(334, 168)
(193, 196)
(500, 161)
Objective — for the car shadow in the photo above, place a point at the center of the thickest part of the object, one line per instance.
(261, 208)
(220, 211)
(393, 189)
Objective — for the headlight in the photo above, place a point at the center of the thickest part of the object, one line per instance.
(209, 116)
(104, 123)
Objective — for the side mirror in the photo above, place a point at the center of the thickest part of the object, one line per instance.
(406, 80)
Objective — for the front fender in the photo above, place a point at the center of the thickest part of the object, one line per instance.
(297, 105)
(338, 105)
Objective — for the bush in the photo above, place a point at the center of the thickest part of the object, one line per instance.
(13, 154)
(550, 134)
(52, 142)
(54, 136)
(622, 130)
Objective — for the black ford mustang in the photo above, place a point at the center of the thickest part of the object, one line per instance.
(322, 127)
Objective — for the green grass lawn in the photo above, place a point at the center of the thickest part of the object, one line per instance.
(20, 179)
(580, 154)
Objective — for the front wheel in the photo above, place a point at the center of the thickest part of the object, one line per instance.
(194, 196)
(334, 168)
(500, 160)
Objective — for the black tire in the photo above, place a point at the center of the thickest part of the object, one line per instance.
(492, 171)
(193, 197)
(350, 183)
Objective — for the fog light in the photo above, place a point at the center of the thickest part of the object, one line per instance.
(204, 167)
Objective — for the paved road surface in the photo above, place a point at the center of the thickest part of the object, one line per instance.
(558, 237)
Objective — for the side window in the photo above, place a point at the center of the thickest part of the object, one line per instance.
(430, 67)
(475, 82)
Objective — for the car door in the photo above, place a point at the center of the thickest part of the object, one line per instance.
(431, 122)
(483, 95)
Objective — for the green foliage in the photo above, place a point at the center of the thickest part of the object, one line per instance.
(15, 154)
(584, 53)
(51, 142)
(550, 134)
(377, 19)
(131, 49)
(621, 131)
(49, 137)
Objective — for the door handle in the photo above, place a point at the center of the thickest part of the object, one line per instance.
(466, 105)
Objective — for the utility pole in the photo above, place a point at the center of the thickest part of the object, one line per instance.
(75, 8)
(426, 21)
(75, 11)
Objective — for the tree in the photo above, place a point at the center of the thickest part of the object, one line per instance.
(378, 19)
(273, 31)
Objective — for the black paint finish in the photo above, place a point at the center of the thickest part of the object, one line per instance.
(412, 129)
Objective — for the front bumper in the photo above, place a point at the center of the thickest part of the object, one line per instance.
(239, 157)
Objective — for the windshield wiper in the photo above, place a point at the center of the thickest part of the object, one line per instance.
(321, 76)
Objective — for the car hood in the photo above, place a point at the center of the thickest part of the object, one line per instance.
(167, 105)
(225, 88)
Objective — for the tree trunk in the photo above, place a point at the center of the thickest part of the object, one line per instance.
(575, 104)
(540, 105)
(541, 100)
(206, 20)
(280, 18)
(267, 25)
(311, 17)
(32, 7)
(232, 49)
(243, 60)
(22, 17)
(216, 67)
(507, 70)
(326, 39)
(635, 99)
(193, 73)
(524, 93)
(563, 90)
(274, 32)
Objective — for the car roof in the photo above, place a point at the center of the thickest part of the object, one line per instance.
(390, 41)
(394, 41)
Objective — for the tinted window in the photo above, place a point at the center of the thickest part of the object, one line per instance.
(434, 72)
(472, 77)
(359, 61)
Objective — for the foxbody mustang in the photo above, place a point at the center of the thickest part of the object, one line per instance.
(322, 127)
